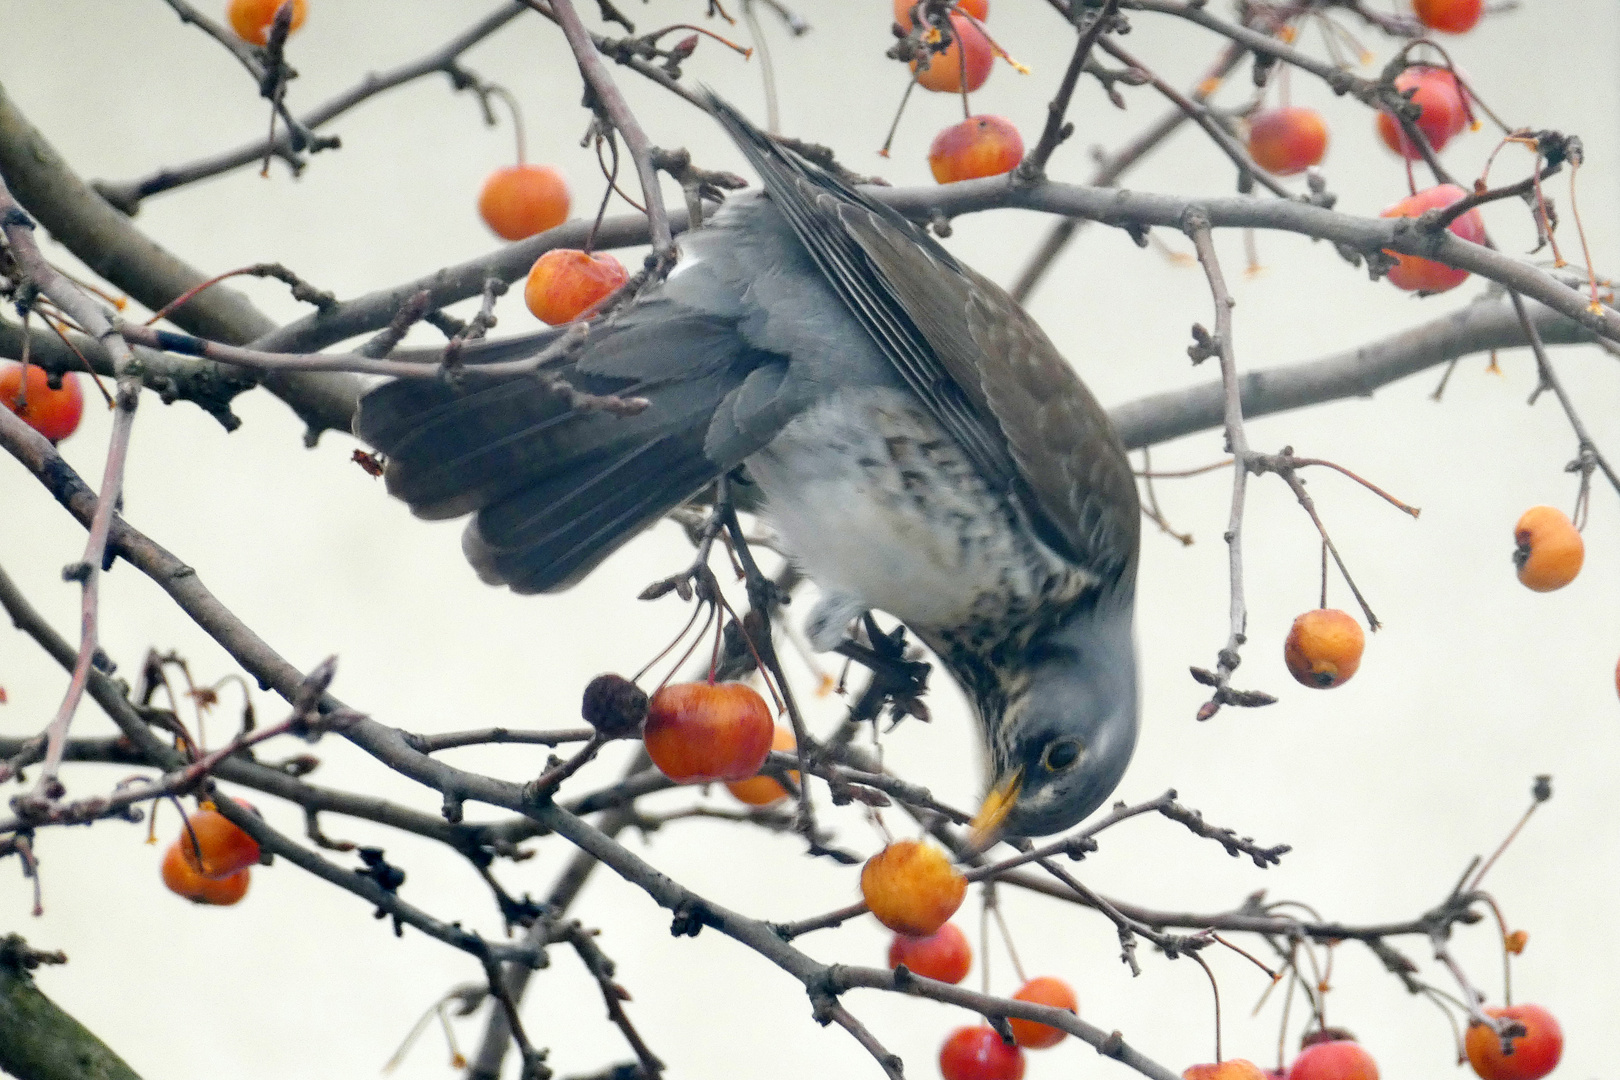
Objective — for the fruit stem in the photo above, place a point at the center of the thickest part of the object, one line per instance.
(993, 905)
(984, 938)
(696, 611)
(747, 53)
(1216, 991)
(1511, 836)
(1250, 957)
(1323, 604)
(1580, 231)
(894, 125)
(612, 175)
(962, 76)
(507, 96)
(1507, 956)
(773, 120)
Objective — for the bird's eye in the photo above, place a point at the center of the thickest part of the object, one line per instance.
(1061, 755)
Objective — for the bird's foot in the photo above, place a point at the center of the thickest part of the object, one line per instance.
(828, 625)
(899, 681)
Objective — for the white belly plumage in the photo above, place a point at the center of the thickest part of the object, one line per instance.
(883, 510)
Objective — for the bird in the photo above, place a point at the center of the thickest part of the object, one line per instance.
(917, 443)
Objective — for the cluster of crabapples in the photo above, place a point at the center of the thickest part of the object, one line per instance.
(912, 888)
(1323, 647)
(210, 861)
(1334, 1054)
(702, 732)
(519, 201)
(1288, 140)
(979, 146)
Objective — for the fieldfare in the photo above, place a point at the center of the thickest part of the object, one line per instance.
(920, 446)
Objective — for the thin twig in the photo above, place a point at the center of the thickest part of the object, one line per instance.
(618, 111)
(1033, 167)
(18, 229)
(1197, 226)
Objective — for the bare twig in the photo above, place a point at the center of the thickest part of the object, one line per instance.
(618, 111)
(1033, 167)
(127, 196)
(18, 229)
(1237, 444)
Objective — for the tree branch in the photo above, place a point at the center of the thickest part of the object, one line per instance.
(128, 195)
(38, 1040)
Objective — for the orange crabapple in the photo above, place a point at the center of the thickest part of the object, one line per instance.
(566, 283)
(1449, 16)
(1287, 141)
(1548, 549)
(224, 848)
(1334, 1059)
(1230, 1069)
(966, 60)
(1444, 110)
(944, 955)
(251, 19)
(698, 732)
(184, 879)
(978, 146)
(912, 887)
(763, 790)
(1042, 990)
(520, 200)
(1535, 1053)
(55, 414)
(979, 9)
(977, 1053)
(1323, 648)
(1416, 274)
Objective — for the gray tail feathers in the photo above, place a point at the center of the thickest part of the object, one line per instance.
(556, 489)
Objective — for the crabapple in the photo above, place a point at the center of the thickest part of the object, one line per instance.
(520, 200)
(215, 846)
(944, 955)
(1535, 1053)
(1449, 16)
(978, 146)
(251, 19)
(1288, 140)
(1548, 549)
(966, 60)
(1334, 1059)
(1416, 274)
(566, 283)
(1230, 1069)
(1042, 990)
(979, 9)
(977, 1053)
(1444, 110)
(184, 879)
(697, 732)
(1323, 648)
(912, 887)
(54, 414)
(763, 790)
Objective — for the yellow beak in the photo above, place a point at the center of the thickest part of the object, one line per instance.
(986, 827)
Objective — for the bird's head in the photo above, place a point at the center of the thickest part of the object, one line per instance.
(1067, 730)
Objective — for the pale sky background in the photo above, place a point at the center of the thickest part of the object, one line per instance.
(1385, 787)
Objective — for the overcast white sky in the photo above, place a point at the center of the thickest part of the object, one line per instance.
(1385, 787)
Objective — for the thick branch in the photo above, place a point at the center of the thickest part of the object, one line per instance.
(38, 1041)
(109, 244)
(1487, 323)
